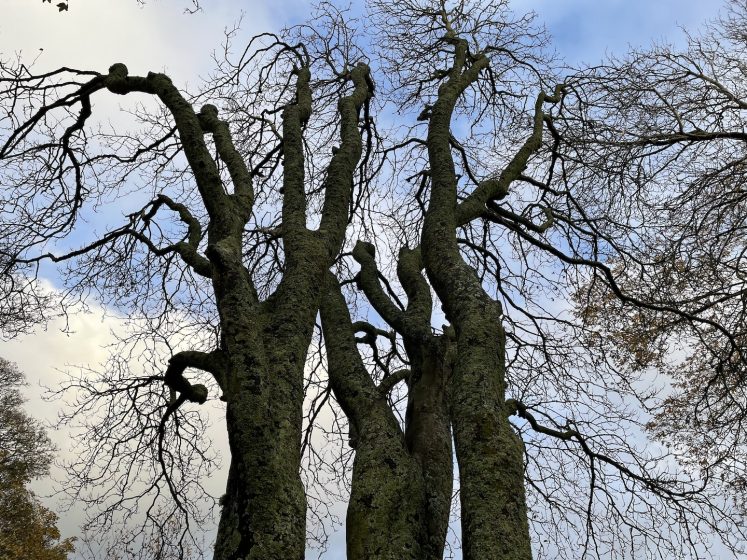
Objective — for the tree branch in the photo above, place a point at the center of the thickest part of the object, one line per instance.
(515, 407)
(353, 386)
(368, 281)
(388, 383)
(240, 175)
(188, 124)
(295, 117)
(495, 189)
(188, 250)
(212, 362)
(338, 185)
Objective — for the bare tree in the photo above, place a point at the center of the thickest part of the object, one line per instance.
(251, 220)
(664, 130)
(259, 355)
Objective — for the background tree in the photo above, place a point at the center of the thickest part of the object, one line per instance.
(223, 261)
(27, 528)
(664, 130)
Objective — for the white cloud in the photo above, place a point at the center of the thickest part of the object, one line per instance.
(95, 34)
(42, 357)
(84, 341)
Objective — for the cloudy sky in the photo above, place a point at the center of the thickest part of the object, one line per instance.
(93, 34)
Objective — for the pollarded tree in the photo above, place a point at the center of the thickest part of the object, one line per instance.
(245, 223)
(509, 226)
(259, 354)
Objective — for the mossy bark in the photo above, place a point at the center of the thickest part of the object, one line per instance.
(263, 512)
(264, 508)
(428, 436)
(401, 481)
(263, 344)
(489, 452)
(494, 516)
(385, 509)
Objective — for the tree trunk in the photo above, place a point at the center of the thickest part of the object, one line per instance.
(489, 452)
(385, 511)
(494, 516)
(264, 509)
(428, 437)
(401, 483)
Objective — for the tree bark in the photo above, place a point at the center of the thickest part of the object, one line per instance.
(385, 510)
(401, 483)
(428, 436)
(264, 508)
(489, 454)
(427, 430)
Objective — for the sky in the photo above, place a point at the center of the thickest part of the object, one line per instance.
(159, 36)
(584, 31)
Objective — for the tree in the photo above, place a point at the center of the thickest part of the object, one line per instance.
(671, 150)
(124, 545)
(247, 222)
(28, 530)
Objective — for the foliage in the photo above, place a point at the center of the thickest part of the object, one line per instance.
(28, 530)
(671, 151)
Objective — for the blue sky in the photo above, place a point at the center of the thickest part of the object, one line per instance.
(94, 34)
(584, 30)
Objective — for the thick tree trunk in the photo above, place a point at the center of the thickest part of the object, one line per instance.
(428, 437)
(264, 509)
(489, 452)
(385, 511)
(494, 516)
(401, 483)
(229, 532)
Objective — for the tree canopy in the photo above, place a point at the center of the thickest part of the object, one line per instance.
(28, 530)
(670, 153)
